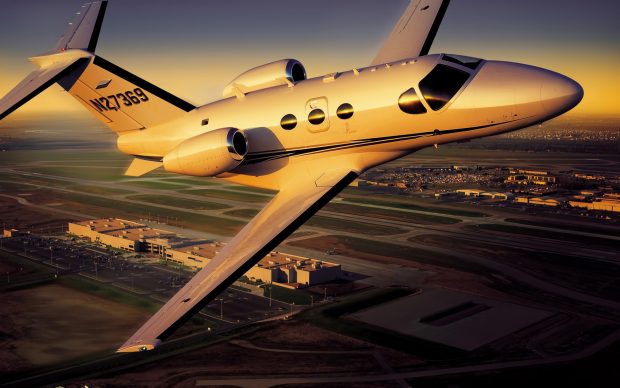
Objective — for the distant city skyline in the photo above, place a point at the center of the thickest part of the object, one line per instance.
(194, 48)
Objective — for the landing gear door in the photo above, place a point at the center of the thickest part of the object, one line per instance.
(317, 115)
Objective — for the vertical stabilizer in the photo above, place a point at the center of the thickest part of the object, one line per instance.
(83, 31)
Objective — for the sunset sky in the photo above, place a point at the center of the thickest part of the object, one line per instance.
(194, 48)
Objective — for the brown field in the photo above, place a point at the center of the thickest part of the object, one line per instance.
(14, 215)
(448, 272)
(53, 323)
(231, 359)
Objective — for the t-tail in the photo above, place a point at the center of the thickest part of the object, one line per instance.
(121, 100)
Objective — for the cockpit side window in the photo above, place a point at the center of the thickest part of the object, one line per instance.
(409, 102)
(441, 85)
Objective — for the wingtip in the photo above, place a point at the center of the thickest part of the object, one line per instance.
(142, 346)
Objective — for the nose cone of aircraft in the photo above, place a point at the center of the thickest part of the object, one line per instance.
(559, 94)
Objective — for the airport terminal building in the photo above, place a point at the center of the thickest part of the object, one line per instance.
(277, 267)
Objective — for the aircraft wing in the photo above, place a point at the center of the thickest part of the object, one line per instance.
(414, 33)
(289, 209)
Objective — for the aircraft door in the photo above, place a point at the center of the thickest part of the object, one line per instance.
(317, 115)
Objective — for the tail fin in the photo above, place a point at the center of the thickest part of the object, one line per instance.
(119, 99)
(83, 32)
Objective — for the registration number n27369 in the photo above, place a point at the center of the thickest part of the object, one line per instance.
(117, 101)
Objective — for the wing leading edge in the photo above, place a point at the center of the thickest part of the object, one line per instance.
(288, 210)
(415, 32)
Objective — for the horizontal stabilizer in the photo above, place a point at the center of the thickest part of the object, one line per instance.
(51, 69)
(139, 167)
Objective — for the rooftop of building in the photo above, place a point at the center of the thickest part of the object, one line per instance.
(109, 224)
(141, 233)
(273, 260)
(279, 260)
(203, 249)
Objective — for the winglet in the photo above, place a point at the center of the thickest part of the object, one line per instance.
(83, 31)
(140, 347)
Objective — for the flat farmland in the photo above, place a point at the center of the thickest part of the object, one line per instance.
(105, 207)
(178, 202)
(229, 195)
(93, 173)
(385, 252)
(387, 214)
(330, 223)
(54, 323)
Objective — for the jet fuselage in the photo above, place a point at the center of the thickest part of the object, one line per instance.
(494, 97)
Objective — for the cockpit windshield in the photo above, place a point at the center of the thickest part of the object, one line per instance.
(442, 84)
(469, 62)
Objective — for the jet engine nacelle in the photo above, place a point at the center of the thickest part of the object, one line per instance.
(209, 154)
(283, 72)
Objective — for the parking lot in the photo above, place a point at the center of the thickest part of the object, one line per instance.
(139, 275)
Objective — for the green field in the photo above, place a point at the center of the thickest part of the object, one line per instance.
(595, 229)
(178, 202)
(242, 213)
(352, 226)
(545, 234)
(416, 218)
(331, 223)
(98, 190)
(35, 180)
(24, 273)
(109, 292)
(105, 174)
(384, 252)
(157, 185)
(57, 156)
(228, 195)
(389, 202)
(194, 182)
(104, 207)
(251, 190)
(12, 187)
(585, 274)
(287, 295)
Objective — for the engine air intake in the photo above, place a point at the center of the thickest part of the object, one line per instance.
(283, 72)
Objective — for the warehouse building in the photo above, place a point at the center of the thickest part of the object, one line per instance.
(528, 177)
(609, 203)
(294, 271)
(276, 267)
(127, 235)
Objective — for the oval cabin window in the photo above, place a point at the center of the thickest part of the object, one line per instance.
(316, 117)
(345, 111)
(288, 122)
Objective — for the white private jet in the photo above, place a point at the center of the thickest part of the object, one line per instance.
(306, 138)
